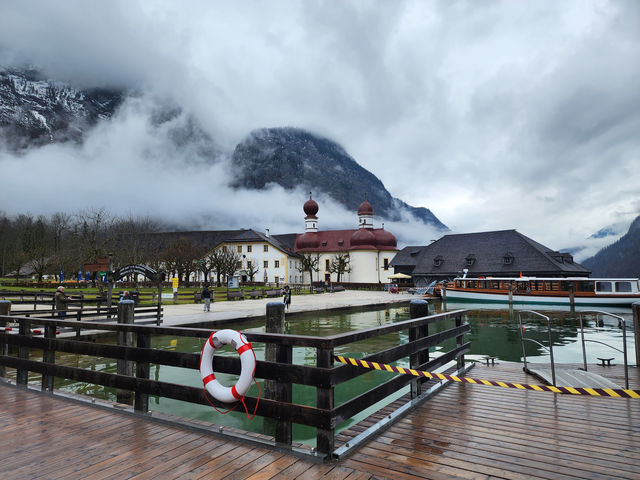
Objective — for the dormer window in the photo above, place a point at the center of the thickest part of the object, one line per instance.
(324, 243)
(438, 261)
(470, 260)
(340, 242)
(507, 259)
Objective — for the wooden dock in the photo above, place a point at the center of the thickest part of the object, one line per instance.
(467, 431)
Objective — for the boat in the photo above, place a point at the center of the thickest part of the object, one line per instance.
(550, 291)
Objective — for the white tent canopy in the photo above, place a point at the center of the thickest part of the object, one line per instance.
(399, 275)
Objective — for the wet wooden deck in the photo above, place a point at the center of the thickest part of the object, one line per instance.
(467, 431)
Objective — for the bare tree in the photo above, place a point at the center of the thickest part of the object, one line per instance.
(340, 264)
(309, 263)
(252, 269)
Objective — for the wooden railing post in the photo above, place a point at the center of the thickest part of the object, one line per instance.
(5, 310)
(22, 376)
(48, 356)
(418, 309)
(274, 389)
(125, 367)
(141, 401)
(325, 440)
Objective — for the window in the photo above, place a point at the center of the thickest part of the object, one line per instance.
(327, 264)
(265, 248)
(276, 264)
(385, 264)
(604, 287)
(507, 259)
(624, 287)
(324, 243)
(239, 248)
(265, 264)
(249, 248)
(470, 260)
(438, 261)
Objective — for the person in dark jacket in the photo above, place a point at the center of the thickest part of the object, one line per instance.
(61, 300)
(287, 297)
(206, 296)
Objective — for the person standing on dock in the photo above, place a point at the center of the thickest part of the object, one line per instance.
(206, 296)
(60, 301)
(287, 297)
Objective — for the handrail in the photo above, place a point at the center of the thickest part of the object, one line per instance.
(550, 349)
(325, 376)
(621, 321)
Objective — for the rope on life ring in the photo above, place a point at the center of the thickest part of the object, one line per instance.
(247, 362)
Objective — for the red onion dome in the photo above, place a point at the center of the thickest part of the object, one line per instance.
(310, 207)
(365, 208)
(384, 238)
(363, 238)
(307, 240)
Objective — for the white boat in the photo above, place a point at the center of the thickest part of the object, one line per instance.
(550, 291)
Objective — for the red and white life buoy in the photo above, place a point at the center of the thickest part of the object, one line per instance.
(247, 362)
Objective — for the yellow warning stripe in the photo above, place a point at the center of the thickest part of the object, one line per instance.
(597, 392)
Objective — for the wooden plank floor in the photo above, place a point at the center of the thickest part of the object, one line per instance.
(467, 431)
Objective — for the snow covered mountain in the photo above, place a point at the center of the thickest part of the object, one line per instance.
(35, 111)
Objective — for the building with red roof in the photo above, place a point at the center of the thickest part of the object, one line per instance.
(367, 251)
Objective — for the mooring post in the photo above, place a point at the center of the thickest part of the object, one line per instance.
(418, 309)
(125, 339)
(510, 293)
(5, 310)
(572, 300)
(636, 329)
(274, 352)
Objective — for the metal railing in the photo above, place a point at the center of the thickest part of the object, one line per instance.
(549, 349)
(623, 324)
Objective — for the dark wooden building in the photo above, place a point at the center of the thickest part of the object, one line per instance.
(504, 253)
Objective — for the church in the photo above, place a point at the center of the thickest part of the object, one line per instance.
(364, 252)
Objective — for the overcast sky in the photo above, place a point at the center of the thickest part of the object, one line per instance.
(494, 115)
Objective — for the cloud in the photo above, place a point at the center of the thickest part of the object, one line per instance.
(495, 115)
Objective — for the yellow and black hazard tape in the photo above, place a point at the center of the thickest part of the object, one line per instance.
(597, 392)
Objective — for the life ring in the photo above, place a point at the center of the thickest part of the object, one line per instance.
(247, 362)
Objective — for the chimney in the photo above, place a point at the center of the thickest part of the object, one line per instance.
(266, 232)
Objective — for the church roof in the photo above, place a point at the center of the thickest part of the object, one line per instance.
(340, 241)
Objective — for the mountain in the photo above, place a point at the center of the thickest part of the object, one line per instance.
(620, 259)
(295, 158)
(35, 111)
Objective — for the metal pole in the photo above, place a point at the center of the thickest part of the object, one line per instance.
(524, 353)
(553, 366)
(624, 352)
(584, 351)
(636, 330)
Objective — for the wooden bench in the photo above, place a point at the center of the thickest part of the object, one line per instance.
(338, 288)
(232, 295)
(255, 294)
(318, 290)
(273, 293)
(608, 360)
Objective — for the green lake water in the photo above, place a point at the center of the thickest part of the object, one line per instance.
(494, 332)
